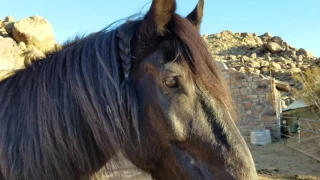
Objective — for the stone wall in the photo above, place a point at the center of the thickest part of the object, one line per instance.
(257, 99)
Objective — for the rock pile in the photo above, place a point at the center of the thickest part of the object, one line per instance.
(28, 37)
(265, 54)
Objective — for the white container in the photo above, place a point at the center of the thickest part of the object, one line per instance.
(260, 137)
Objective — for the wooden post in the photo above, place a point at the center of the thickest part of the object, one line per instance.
(298, 124)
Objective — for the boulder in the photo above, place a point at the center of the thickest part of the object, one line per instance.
(299, 58)
(9, 28)
(249, 69)
(34, 31)
(258, 41)
(291, 65)
(232, 57)
(265, 63)
(9, 19)
(316, 62)
(4, 74)
(3, 33)
(303, 52)
(254, 64)
(276, 65)
(257, 71)
(253, 55)
(274, 47)
(10, 55)
(266, 36)
(295, 70)
(291, 53)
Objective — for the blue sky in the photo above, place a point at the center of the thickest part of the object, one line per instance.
(297, 22)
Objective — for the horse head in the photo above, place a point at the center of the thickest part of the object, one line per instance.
(186, 118)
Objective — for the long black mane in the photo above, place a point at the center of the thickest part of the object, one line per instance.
(70, 106)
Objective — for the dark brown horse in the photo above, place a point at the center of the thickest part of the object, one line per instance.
(147, 88)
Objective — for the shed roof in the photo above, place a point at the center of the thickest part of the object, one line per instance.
(295, 105)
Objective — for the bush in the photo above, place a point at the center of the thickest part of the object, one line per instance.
(310, 92)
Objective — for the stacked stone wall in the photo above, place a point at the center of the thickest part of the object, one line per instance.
(256, 99)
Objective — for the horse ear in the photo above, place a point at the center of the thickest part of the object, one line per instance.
(160, 14)
(195, 17)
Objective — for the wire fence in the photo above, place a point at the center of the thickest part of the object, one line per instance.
(302, 135)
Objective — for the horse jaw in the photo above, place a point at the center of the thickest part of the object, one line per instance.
(193, 168)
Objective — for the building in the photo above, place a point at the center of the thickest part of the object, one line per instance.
(258, 100)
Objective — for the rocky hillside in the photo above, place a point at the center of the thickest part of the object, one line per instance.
(265, 54)
(23, 40)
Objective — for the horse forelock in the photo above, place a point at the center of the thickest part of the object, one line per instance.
(201, 63)
(66, 108)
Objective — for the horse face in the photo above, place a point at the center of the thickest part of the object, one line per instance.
(185, 134)
(185, 123)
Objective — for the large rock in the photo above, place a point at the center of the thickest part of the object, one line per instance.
(6, 26)
(275, 47)
(316, 62)
(34, 31)
(303, 52)
(265, 64)
(9, 28)
(9, 19)
(10, 55)
(276, 65)
(295, 70)
(4, 74)
(254, 64)
(266, 36)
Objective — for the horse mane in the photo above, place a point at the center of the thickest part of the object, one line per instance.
(67, 107)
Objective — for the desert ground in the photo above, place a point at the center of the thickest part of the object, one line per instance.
(273, 161)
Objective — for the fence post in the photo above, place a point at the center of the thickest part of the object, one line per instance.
(298, 129)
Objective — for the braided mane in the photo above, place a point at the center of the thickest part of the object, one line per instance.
(126, 33)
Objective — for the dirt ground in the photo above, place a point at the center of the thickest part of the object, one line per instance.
(277, 161)
(273, 161)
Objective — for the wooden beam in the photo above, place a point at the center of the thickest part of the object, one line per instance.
(283, 86)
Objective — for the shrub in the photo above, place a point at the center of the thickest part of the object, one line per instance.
(310, 92)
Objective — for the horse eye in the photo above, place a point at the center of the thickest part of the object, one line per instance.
(171, 82)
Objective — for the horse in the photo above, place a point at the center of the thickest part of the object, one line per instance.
(147, 88)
